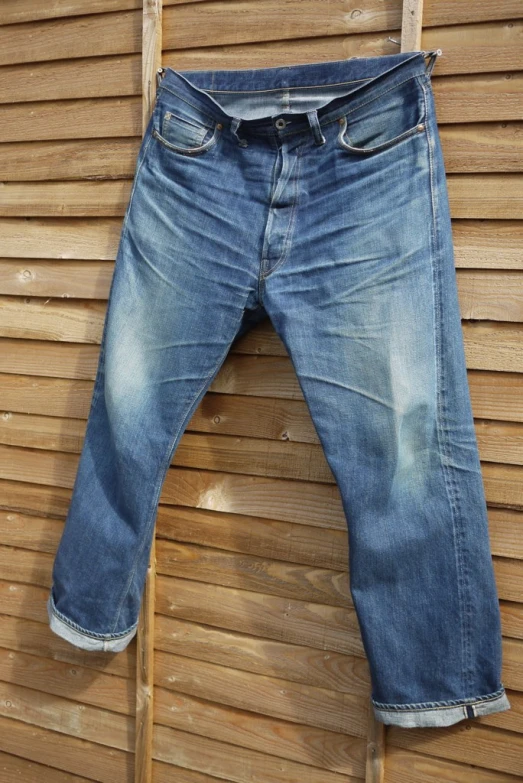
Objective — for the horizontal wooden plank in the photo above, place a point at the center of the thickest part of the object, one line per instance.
(27, 531)
(65, 398)
(65, 752)
(483, 294)
(184, 27)
(226, 407)
(312, 502)
(62, 160)
(477, 243)
(305, 744)
(40, 685)
(64, 360)
(478, 97)
(234, 639)
(224, 761)
(472, 147)
(15, 769)
(500, 442)
(59, 427)
(505, 530)
(504, 485)
(47, 319)
(164, 772)
(190, 26)
(295, 542)
(488, 244)
(323, 708)
(309, 705)
(246, 449)
(475, 106)
(488, 345)
(493, 196)
(28, 383)
(434, 13)
(82, 77)
(54, 405)
(301, 37)
(253, 456)
(303, 502)
(67, 279)
(97, 34)
(81, 238)
(509, 578)
(408, 766)
(512, 619)
(26, 560)
(480, 338)
(82, 118)
(29, 498)
(482, 147)
(490, 295)
(483, 746)
(20, 603)
(71, 199)
(51, 701)
(12, 11)
(513, 663)
(258, 575)
(510, 720)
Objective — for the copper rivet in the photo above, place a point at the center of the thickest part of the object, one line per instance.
(219, 125)
(420, 127)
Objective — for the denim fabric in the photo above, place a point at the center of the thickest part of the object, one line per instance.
(314, 195)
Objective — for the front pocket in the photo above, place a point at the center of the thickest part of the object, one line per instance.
(384, 120)
(181, 129)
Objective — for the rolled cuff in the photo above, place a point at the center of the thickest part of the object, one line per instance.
(440, 713)
(84, 639)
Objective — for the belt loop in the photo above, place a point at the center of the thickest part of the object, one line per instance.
(235, 124)
(314, 122)
(432, 60)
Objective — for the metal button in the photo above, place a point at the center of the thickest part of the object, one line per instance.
(280, 122)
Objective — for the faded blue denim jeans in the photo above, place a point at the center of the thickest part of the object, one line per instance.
(314, 195)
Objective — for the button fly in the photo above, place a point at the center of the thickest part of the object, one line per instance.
(280, 123)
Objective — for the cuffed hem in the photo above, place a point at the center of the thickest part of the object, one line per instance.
(440, 713)
(83, 639)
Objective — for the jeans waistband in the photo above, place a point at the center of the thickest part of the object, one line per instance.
(364, 77)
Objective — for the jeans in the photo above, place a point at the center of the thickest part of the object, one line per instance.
(314, 195)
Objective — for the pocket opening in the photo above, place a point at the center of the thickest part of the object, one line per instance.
(182, 132)
(189, 150)
(368, 127)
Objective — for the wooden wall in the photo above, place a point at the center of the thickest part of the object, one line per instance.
(259, 670)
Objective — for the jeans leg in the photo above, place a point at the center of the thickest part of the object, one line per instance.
(366, 304)
(176, 302)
